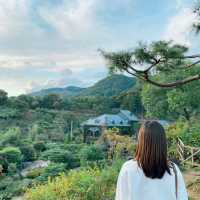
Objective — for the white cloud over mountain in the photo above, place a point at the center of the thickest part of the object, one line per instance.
(41, 39)
(179, 27)
(72, 20)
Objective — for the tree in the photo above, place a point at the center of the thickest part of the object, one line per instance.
(182, 101)
(131, 99)
(19, 103)
(28, 152)
(52, 101)
(3, 97)
(146, 61)
(59, 155)
(91, 153)
(39, 146)
(155, 102)
(9, 155)
(197, 12)
(11, 137)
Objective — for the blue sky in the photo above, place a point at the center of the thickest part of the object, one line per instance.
(53, 43)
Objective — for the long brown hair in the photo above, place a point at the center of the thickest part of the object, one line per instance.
(151, 152)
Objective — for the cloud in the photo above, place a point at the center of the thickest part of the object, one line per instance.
(67, 78)
(13, 85)
(180, 26)
(16, 21)
(13, 16)
(71, 20)
(179, 4)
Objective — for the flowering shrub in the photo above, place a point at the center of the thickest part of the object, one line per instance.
(82, 184)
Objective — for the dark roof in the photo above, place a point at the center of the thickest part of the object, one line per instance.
(123, 118)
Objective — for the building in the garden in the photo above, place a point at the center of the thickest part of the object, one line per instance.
(124, 120)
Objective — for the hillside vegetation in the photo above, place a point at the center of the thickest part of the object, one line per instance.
(47, 129)
(109, 86)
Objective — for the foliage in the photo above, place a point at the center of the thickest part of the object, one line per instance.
(172, 103)
(110, 86)
(84, 184)
(152, 96)
(8, 113)
(35, 173)
(197, 13)
(53, 170)
(10, 137)
(28, 152)
(3, 97)
(39, 146)
(59, 155)
(11, 155)
(160, 57)
(187, 131)
(51, 101)
(13, 187)
(12, 169)
(116, 145)
(92, 153)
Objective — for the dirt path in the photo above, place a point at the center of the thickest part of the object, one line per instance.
(192, 180)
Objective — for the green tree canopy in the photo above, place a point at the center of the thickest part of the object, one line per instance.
(197, 12)
(146, 61)
(3, 97)
(172, 103)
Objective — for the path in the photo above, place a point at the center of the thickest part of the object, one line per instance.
(192, 180)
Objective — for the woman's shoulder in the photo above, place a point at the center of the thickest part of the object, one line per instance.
(175, 168)
(130, 165)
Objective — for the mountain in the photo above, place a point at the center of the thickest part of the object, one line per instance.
(68, 91)
(110, 86)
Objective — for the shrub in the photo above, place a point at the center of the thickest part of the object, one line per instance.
(12, 169)
(28, 153)
(91, 153)
(188, 131)
(53, 170)
(59, 155)
(34, 173)
(84, 184)
(39, 146)
(117, 146)
(11, 137)
(11, 154)
(14, 188)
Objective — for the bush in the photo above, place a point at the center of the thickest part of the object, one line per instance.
(28, 153)
(34, 173)
(51, 171)
(11, 154)
(39, 146)
(84, 184)
(187, 131)
(12, 169)
(14, 188)
(10, 137)
(58, 155)
(117, 146)
(93, 153)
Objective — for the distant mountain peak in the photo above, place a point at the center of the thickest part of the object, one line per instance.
(109, 86)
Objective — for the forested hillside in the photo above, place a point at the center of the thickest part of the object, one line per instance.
(46, 129)
(68, 91)
(70, 142)
(109, 86)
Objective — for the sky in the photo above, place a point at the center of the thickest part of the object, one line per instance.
(53, 43)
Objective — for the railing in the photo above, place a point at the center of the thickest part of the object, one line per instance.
(188, 154)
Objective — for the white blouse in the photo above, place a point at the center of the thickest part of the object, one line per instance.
(134, 185)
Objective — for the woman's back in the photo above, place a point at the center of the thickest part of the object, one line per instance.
(134, 185)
